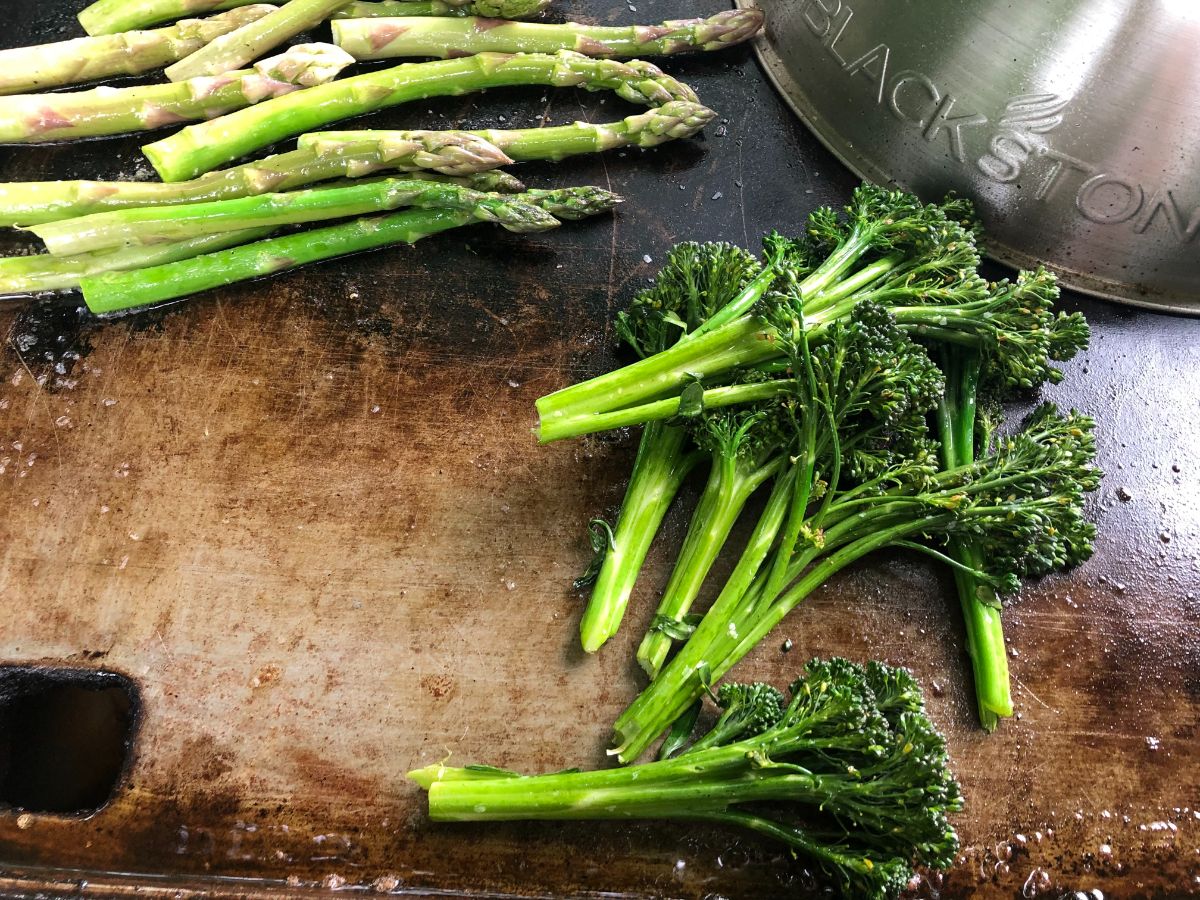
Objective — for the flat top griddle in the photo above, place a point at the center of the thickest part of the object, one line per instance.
(306, 516)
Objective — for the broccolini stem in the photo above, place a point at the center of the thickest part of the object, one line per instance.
(729, 487)
(722, 638)
(26, 70)
(658, 410)
(852, 284)
(980, 605)
(675, 788)
(715, 762)
(742, 342)
(739, 305)
(387, 38)
(806, 458)
(836, 264)
(985, 640)
(201, 148)
(765, 620)
(680, 672)
(658, 472)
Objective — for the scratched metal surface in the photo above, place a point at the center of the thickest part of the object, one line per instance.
(307, 517)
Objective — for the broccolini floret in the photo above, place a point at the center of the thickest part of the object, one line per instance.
(857, 783)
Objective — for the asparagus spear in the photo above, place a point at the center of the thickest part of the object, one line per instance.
(35, 118)
(25, 69)
(200, 148)
(496, 9)
(446, 153)
(115, 16)
(448, 37)
(43, 272)
(160, 224)
(246, 44)
(115, 291)
(673, 120)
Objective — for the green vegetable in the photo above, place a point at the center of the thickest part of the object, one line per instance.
(28, 69)
(116, 291)
(916, 259)
(246, 44)
(852, 776)
(162, 224)
(1020, 504)
(671, 121)
(389, 38)
(697, 280)
(33, 118)
(495, 9)
(40, 273)
(963, 434)
(200, 148)
(113, 16)
(828, 345)
(747, 447)
(418, 154)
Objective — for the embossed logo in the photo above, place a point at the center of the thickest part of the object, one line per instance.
(1024, 117)
(1015, 146)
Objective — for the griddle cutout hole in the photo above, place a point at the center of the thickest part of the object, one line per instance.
(65, 738)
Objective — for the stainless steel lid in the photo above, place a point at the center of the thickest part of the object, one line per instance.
(1074, 124)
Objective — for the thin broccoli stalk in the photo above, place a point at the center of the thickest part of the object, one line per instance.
(1022, 502)
(735, 475)
(668, 408)
(697, 281)
(659, 470)
(980, 605)
(878, 220)
(713, 651)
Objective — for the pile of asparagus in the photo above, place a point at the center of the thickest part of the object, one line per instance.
(130, 244)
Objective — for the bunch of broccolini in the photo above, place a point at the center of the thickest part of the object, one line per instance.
(838, 377)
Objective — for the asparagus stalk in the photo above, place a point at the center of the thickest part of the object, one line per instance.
(448, 37)
(116, 291)
(444, 153)
(27, 69)
(201, 148)
(35, 118)
(496, 9)
(233, 50)
(671, 121)
(115, 16)
(160, 224)
(43, 272)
